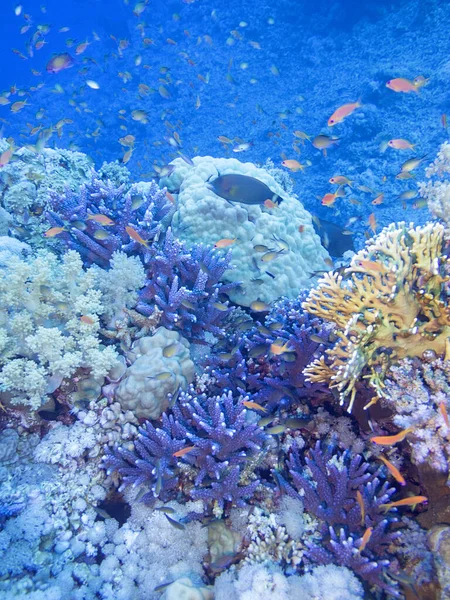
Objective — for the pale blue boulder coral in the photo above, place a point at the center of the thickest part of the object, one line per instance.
(202, 216)
(26, 180)
(160, 365)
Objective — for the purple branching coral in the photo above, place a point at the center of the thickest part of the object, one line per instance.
(142, 207)
(328, 482)
(185, 285)
(220, 440)
(249, 366)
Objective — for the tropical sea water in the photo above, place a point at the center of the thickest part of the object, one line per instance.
(143, 83)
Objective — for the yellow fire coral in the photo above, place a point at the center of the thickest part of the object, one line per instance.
(391, 302)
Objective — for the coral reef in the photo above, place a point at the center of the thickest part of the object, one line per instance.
(390, 303)
(202, 216)
(159, 365)
(96, 218)
(329, 485)
(436, 190)
(26, 182)
(245, 360)
(50, 321)
(185, 285)
(203, 447)
(418, 394)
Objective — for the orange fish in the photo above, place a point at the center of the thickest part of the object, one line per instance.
(390, 440)
(170, 197)
(293, 165)
(379, 199)
(86, 319)
(277, 350)
(224, 243)
(343, 111)
(255, 405)
(329, 199)
(365, 539)
(373, 222)
(400, 84)
(59, 62)
(393, 470)
(270, 204)
(102, 219)
(410, 501)
(54, 231)
(401, 144)
(135, 236)
(444, 414)
(362, 508)
(183, 451)
(444, 121)
(371, 265)
(5, 157)
(340, 180)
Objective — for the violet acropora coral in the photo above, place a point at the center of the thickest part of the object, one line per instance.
(330, 482)
(95, 218)
(246, 362)
(185, 285)
(202, 448)
(390, 303)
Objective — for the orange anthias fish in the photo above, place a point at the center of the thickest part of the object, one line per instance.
(390, 440)
(102, 219)
(277, 350)
(329, 199)
(54, 231)
(410, 501)
(293, 165)
(224, 243)
(134, 235)
(365, 539)
(5, 157)
(373, 222)
(400, 144)
(393, 470)
(86, 319)
(379, 199)
(444, 414)
(59, 62)
(183, 451)
(362, 508)
(343, 111)
(270, 204)
(255, 405)
(400, 84)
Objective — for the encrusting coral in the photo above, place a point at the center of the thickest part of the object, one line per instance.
(390, 303)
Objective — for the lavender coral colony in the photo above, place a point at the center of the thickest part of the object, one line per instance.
(199, 442)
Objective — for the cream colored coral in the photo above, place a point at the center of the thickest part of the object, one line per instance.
(389, 304)
(42, 333)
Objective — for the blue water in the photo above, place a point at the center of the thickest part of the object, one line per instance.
(326, 54)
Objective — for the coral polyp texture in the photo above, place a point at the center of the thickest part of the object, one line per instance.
(103, 217)
(390, 303)
(202, 447)
(330, 482)
(436, 190)
(203, 216)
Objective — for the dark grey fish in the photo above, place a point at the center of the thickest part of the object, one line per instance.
(242, 188)
(333, 238)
